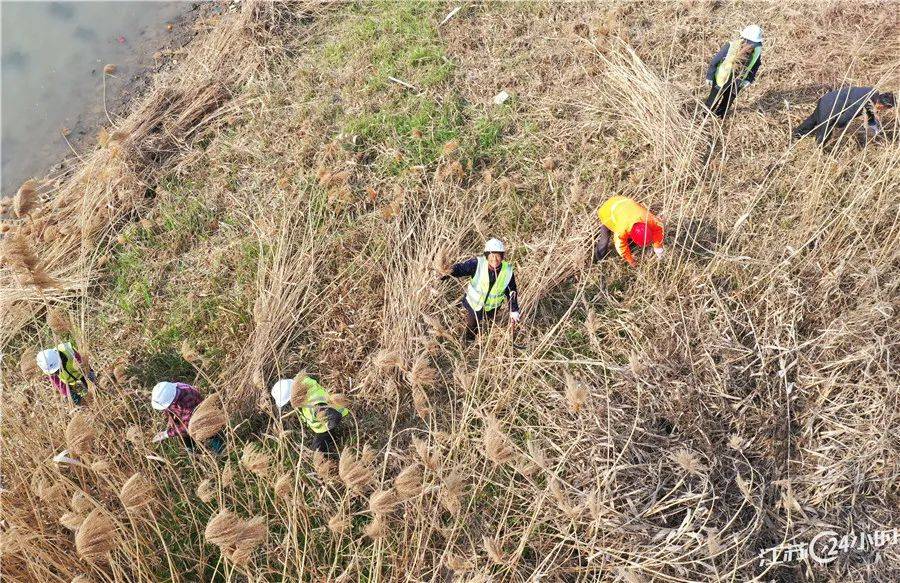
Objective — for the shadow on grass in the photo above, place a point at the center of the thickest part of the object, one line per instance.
(699, 237)
(165, 365)
(774, 99)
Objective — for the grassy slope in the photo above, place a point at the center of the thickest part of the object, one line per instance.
(688, 456)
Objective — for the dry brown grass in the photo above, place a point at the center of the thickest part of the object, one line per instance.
(208, 419)
(81, 433)
(661, 423)
(96, 536)
(137, 493)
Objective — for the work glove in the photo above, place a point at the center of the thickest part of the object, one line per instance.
(659, 251)
(160, 436)
(709, 82)
(515, 317)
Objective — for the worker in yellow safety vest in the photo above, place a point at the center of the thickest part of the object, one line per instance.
(492, 282)
(626, 222)
(733, 68)
(63, 365)
(322, 412)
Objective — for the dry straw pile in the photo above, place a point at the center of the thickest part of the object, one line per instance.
(278, 202)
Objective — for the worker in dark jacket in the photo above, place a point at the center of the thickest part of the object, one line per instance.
(733, 68)
(836, 109)
(492, 282)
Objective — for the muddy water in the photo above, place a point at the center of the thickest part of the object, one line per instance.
(53, 55)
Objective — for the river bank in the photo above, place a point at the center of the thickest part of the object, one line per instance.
(285, 199)
(71, 68)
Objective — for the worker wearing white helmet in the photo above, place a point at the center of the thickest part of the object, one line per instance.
(178, 401)
(321, 411)
(63, 365)
(733, 68)
(492, 283)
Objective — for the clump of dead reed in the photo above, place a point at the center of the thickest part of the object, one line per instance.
(97, 536)
(208, 419)
(17, 253)
(408, 482)
(137, 493)
(235, 536)
(26, 200)
(80, 433)
(576, 394)
(59, 321)
(28, 364)
(353, 471)
(255, 460)
(497, 446)
(206, 491)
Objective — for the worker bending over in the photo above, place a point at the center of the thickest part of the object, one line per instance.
(733, 68)
(626, 221)
(836, 109)
(492, 282)
(178, 401)
(63, 365)
(318, 408)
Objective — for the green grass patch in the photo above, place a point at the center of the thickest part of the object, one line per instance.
(130, 270)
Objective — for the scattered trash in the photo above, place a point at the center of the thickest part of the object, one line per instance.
(63, 458)
(451, 15)
(121, 40)
(402, 82)
(501, 98)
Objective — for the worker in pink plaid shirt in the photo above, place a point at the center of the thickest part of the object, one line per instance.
(178, 401)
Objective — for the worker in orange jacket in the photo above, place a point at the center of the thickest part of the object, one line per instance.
(626, 222)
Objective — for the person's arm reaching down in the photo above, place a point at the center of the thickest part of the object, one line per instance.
(751, 74)
(60, 386)
(621, 243)
(512, 293)
(658, 244)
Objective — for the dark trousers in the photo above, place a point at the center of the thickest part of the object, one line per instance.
(811, 125)
(79, 390)
(475, 321)
(327, 441)
(823, 130)
(720, 98)
(215, 444)
(603, 243)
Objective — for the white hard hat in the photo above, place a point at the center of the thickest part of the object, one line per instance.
(494, 246)
(752, 33)
(163, 395)
(281, 392)
(49, 360)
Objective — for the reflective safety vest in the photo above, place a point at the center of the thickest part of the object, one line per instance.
(70, 371)
(723, 72)
(316, 395)
(479, 296)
